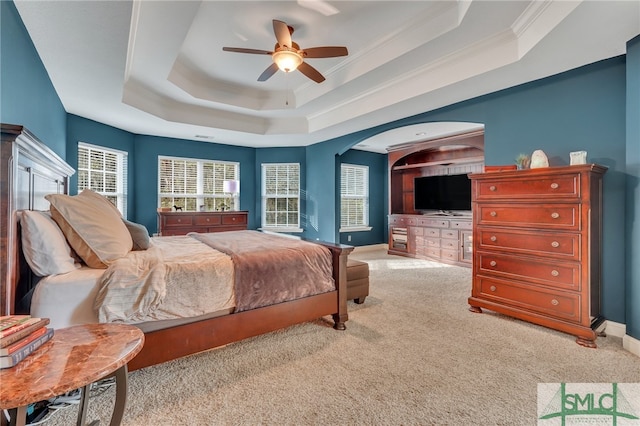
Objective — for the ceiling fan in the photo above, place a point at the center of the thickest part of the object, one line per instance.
(287, 55)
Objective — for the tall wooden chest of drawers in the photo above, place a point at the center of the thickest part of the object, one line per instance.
(181, 223)
(536, 246)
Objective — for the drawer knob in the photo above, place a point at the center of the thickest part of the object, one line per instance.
(493, 214)
(208, 219)
(233, 218)
(493, 263)
(494, 238)
(492, 288)
(554, 185)
(179, 220)
(555, 215)
(555, 273)
(555, 244)
(492, 188)
(555, 302)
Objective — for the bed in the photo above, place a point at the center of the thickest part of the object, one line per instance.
(32, 173)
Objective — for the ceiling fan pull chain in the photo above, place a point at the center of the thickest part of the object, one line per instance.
(286, 78)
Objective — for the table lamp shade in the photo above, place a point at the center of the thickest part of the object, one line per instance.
(231, 186)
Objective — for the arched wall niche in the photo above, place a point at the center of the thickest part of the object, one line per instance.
(455, 154)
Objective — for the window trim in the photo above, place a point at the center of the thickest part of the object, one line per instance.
(293, 229)
(122, 178)
(199, 196)
(366, 226)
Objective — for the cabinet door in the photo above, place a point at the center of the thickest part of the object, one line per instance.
(466, 248)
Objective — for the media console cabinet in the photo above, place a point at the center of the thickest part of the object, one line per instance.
(413, 233)
(536, 246)
(446, 239)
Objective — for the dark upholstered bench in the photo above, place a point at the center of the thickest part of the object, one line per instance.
(357, 280)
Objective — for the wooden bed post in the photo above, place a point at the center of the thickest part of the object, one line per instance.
(340, 254)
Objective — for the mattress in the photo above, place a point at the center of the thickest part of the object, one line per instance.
(67, 299)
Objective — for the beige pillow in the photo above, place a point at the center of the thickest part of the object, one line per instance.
(95, 231)
(44, 246)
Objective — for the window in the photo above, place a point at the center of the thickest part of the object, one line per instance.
(281, 197)
(103, 170)
(197, 185)
(354, 198)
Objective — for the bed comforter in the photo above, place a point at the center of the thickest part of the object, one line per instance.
(198, 274)
(271, 269)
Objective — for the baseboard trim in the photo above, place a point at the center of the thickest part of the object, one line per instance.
(629, 343)
(371, 247)
(615, 329)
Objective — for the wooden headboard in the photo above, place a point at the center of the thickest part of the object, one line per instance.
(29, 170)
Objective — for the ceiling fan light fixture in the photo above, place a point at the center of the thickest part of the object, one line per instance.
(287, 60)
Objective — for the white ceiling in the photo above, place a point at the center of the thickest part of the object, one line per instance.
(157, 67)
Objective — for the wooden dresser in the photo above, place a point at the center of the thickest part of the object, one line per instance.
(181, 223)
(536, 246)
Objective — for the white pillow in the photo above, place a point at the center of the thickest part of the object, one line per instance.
(44, 246)
(93, 227)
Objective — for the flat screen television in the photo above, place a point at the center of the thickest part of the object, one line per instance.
(442, 193)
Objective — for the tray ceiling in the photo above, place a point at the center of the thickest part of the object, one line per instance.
(157, 67)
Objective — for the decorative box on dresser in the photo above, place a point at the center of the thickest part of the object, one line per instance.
(536, 246)
(181, 223)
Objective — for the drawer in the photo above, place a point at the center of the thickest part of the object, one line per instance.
(175, 231)
(432, 242)
(416, 230)
(558, 245)
(412, 221)
(558, 304)
(461, 224)
(432, 252)
(551, 273)
(207, 220)
(436, 223)
(431, 232)
(533, 187)
(449, 233)
(449, 244)
(449, 255)
(544, 216)
(397, 220)
(234, 219)
(178, 220)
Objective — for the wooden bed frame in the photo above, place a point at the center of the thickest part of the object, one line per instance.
(29, 170)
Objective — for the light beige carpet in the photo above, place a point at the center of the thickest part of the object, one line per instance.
(412, 354)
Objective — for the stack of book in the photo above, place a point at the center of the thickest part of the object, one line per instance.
(20, 335)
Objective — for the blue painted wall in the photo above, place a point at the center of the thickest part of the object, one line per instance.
(145, 175)
(378, 196)
(632, 230)
(80, 129)
(27, 96)
(582, 109)
(594, 108)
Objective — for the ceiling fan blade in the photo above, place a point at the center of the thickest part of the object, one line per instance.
(266, 74)
(281, 30)
(243, 50)
(325, 52)
(310, 72)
